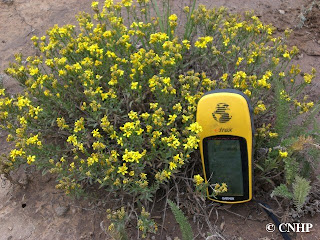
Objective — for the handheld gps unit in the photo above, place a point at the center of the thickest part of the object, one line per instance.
(226, 143)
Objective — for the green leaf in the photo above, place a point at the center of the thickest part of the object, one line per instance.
(301, 189)
(185, 226)
(282, 191)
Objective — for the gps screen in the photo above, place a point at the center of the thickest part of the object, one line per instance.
(225, 166)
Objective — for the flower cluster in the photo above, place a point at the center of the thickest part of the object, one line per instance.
(115, 103)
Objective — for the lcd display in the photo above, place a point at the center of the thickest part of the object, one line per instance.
(225, 166)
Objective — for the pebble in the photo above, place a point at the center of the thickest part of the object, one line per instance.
(282, 11)
(23, 179)
(212, 237)
(10, 228)
(61, 211)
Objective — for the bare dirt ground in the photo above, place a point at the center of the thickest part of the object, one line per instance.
(39, 211)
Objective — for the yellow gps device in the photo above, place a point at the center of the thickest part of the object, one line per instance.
(226, 143)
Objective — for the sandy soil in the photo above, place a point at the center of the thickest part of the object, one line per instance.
(39, 211)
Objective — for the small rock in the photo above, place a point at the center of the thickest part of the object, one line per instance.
(9, 238)
(61, 211)
(222, 225)
(212, 237)
(282, 11)
(73, 210)
(318, 42)
(10, 228)
(300, 56)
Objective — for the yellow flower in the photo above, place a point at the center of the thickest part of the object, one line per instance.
(132, 156)
(283, 154)
(171, 119)
(173, 20)
(192, 143)
(61, 123)
(224, 77)
(79, 125)
(32, 140)
(177, 107)
(72, 165)
(145, 115)
(134, 85)
(15, 152)
(247, 92)
(275, 60)
(195, 127)
(172, 165)
(259, 108)
(92, 159)
(9, 138)
(33, 71)
(127, 3)
(239, 61)
(22, 102)
(98, 145)
(226, 41)
(132, 115)
(220, 188)
(273, 135)
(158, 37)
(286, 55)
(153, 105)
(203, 41)
(96, 134)
(31, 159)
(166, 174)
(186, 43)
(173, 17)
(198, 179)
(140, 131)
(72, 139)
(308, 78)
(123, 169)
(94, 5)
(120, 141)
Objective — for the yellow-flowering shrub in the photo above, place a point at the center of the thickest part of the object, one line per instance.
(113, 101)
